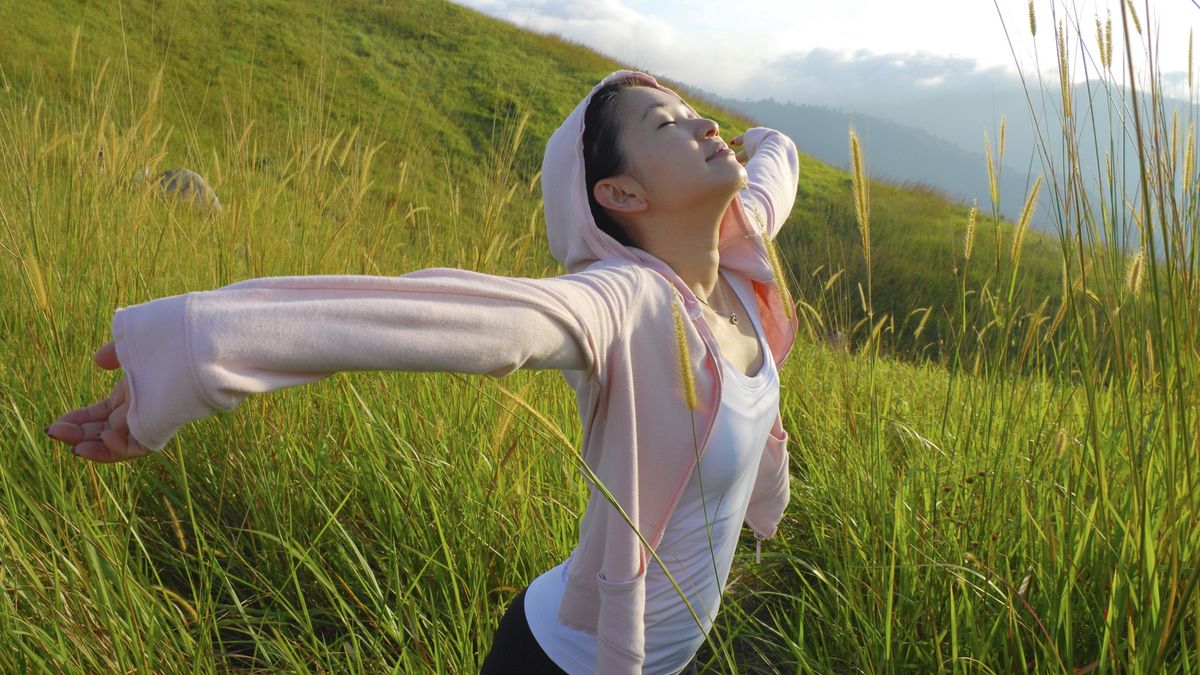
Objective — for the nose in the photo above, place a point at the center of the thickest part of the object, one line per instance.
(709, 128)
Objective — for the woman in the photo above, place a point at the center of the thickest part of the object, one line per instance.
(669, 325)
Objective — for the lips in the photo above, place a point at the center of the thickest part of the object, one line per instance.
(721, 150)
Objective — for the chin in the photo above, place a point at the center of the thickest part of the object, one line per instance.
(734, 182)
(738, 175)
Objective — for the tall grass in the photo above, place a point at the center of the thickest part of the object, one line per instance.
(1039, 514)
(320, 529)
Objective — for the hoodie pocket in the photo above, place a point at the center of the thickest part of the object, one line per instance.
(776, 458)
(777, 441)
(622, 613)
(772, 486)
(618, 586)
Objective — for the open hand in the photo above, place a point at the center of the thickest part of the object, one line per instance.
(100, 432)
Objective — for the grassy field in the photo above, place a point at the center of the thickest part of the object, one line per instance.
(998, 474)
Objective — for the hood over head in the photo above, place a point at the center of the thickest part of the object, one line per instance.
(575, 239)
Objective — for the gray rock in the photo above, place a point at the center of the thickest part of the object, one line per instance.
(186, 186)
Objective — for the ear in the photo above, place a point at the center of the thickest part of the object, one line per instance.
(622, 194)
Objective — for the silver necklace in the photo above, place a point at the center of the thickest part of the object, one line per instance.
(732, 316)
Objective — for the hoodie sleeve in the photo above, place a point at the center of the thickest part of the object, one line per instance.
(188, 356)
(773, 172)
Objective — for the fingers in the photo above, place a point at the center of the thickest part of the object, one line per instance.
(96, 412)
(118, 420)
(100, 431)
(73, 434)
(112, 446)
(100, 443)
(121, 445)
(742, 156)
(90, 431)
(106, 356)
(100, 410)
(95, 451)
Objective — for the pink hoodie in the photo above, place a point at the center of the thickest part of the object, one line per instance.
(608, 325)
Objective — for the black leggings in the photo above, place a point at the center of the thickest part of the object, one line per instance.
(515, 650)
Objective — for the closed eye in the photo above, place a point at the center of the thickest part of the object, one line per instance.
(666, 123)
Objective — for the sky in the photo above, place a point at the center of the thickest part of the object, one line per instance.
(843, 53)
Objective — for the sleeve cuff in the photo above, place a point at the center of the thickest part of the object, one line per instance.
(152, 346)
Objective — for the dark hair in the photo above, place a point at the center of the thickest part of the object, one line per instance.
(602, 156)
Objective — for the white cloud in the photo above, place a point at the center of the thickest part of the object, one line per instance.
(704, 43)
(711, 59)
(813, 52)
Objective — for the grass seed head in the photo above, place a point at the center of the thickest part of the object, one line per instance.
(1026, 217)
(1101, 44)
(186, 610)
(1134, 272)
(1060, 441)
(993, 183)
(862, 204)
(1189, 155)
(175, 526)
(1174, 136)
(1137, 25)
(36, 281)
(774, 260)
(1003, 126)
(687, 380)
(1108, 42)
(1064, 78)
(74, 48)
(969, 239)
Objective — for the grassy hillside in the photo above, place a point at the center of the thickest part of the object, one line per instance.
(967, 518)
(436, 92)
(438, 88)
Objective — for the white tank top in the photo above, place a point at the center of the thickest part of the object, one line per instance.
(700, 538)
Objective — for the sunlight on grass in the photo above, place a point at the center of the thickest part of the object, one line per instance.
(994, 469)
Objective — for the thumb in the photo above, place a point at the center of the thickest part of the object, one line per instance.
(106, 357)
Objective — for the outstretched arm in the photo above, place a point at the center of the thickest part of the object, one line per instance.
(188, 356)
(773, 170)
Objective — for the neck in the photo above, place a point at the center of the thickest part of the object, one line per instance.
(687, 242)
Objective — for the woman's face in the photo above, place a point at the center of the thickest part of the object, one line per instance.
(676, 156)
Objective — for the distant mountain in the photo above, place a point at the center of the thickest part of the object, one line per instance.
(935, 136)
(894, 152)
